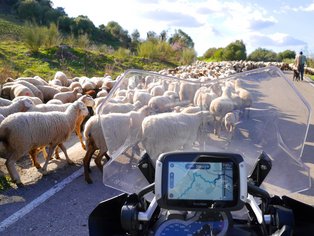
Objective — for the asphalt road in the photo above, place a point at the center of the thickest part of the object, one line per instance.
(59, 203)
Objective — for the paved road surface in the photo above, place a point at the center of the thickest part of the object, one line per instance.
(65, 208)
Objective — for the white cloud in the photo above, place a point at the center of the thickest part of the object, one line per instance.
(309, 8)
(172, 18)
(277, 40)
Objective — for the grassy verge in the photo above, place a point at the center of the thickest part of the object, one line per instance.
(310, 76)
(4, 183)
(16, 61)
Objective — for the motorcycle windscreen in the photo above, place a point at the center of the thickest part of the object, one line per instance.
(275, 121)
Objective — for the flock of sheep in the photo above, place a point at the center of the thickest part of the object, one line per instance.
(158, 115)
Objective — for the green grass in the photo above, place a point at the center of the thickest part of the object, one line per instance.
(17, 60)
(311, 77)
(4, 183)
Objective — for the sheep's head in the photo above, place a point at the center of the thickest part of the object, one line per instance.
(81, 108)
(88, 100)
(26, 104)
(78, 90)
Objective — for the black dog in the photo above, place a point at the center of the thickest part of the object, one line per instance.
(296, 75)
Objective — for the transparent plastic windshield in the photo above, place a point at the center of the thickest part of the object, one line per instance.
(274, 119)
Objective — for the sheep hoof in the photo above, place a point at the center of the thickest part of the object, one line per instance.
(19, 184)
(38, 167)
(43, 171)
(88, 180)
(71, 162)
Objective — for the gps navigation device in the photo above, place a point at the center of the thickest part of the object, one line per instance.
(200, 181)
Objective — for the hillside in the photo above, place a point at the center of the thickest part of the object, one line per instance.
(16, 59)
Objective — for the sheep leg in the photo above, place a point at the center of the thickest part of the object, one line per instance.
(57, 156)
(50, 152)
(33, 155)
(79, 133)
(10, 164)
(86, 160)
(98, 161)
(215, 125)
(65, 154)
(44, 152)
(219, 126)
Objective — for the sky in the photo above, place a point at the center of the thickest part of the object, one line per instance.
(275, 25)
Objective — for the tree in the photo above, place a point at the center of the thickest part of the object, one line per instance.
(262, 54)
(181, 40)
(135, 40)
(235, 51)
(218, 55)
(119, 34)
(163, 35)
(135, 36)
(210, 52)
(287, 54)
(151, 35)
(83, 25)
(29, 10)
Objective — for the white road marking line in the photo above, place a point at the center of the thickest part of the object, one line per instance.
(36, 202)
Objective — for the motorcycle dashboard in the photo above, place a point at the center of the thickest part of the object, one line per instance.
(200, 181)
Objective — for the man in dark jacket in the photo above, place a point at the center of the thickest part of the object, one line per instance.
(300, 61)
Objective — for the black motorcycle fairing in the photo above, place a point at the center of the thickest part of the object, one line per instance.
(105, 219)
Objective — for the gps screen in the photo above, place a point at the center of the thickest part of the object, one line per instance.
(200, 181)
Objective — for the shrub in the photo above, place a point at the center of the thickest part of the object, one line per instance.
(122, 52)
(83, 41)
(148, 50)
(34, 36)
(53, 37)
(188, 56)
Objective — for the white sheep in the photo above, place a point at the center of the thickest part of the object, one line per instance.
(161, 104)
(20, 133)
(54, 101)
(55, 82)
(187, 91)
(118, 108)
(36, 80)
(85, 99)
(172, 131)
(245, 95)
(19, 106)
(102, 93)
(230, 120)
(20, 90)
(141, 95)
(48, 91)
(67, 97)
(5, 102)
(203, 97)
(219, 107)
(109, 132)
(35, 100)
(191, 109)
(75, 84)
(33, 88)
(62, 77)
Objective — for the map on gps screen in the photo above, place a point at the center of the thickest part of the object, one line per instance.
(200, 181)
